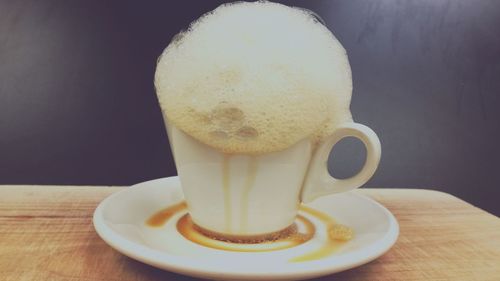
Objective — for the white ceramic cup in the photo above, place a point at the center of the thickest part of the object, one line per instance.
(243, 195)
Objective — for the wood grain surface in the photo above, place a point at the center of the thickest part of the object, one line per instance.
(46, 233)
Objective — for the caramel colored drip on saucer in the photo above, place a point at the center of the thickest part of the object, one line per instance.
(283, 240)
(161, 217)
(246, 239)
(337, 235)
(334, 239)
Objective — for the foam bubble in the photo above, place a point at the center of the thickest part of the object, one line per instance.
(255, 78)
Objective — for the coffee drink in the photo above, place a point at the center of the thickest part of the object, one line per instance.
(254, 96)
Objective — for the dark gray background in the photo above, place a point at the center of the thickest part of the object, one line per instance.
(77, 104)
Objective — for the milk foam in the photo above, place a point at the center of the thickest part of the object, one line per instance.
(254, 78)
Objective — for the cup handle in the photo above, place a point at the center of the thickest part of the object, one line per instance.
(319, 182)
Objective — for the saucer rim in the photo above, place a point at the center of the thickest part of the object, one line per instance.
(186, 266)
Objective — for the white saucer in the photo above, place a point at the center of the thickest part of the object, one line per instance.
(120, 221)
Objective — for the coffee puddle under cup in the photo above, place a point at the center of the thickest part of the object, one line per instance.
(302, 231)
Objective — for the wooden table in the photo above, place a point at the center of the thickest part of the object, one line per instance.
(46, 233)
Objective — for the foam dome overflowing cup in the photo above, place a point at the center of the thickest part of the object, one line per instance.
(254, 96)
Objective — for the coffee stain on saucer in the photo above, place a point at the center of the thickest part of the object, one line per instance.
(188, 229)
(332, 243)
(335, 237)
(160, 218)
